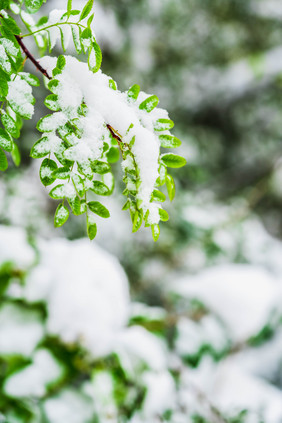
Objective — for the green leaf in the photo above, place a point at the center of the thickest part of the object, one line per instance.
(40, 149)
(169, 141)
(62, 173)
(57, 192)
(126, 205)
(89, 20)
(52, 85)
(46, 172)
(76, 38)
(149, 104)
(113, 155)
(133, 92)
(173, 160)
(3, 84)
(100, 167)
(94, 57)
(61, 62)
(155, 232)
(163, 215)
(163, 125)
(86, 38)
(170, 185)
(75, 204)
(91, 227)
(100, 188)
(79, 185)
(10, 24)
(99, 209)
(3, 160)
(30, 79)
(86, 10)
(69, 6)
(137, 221)
(4, 4)
(6, 141)
(10, 125)
(16, 155)
(158, 196)
(112, 84)
(33, 6)
(51, 101)
(61, 215)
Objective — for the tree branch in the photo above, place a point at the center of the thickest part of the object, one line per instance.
(30, 56)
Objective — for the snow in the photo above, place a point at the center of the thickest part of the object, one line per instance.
(14, 247)
(243, 296)
(20, 94)
(137, 347)
(34, 379)
(69, 406)
(96, 308)
(160, 395)
(20, 330)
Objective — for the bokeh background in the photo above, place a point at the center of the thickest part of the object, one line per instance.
(200, 338)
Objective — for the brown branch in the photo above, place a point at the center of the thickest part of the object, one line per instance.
(31, 58)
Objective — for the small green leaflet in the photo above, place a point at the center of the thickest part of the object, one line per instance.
(100, 167)
(158, 196)
(40, 149)
(30, 79)
(91, 227)
(10, 125)
(99, 209)
(173, 160)
(94, 57)
(5, 140)
(163, 125)
(61, 215)
(86, 10)
(169, 141)
(69, 6)
(100, 188)
(170, 185)
(33, 6)
(47, 168)
(163, 215)
(3, 160)
(16, 156)
(137, 221)
(149, 104)
(155, 232)
(133, 92)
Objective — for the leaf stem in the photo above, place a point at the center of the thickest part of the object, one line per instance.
(52, 26)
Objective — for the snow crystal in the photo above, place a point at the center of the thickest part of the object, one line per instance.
(33, 379)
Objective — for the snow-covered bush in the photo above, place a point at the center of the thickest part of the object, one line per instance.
(92, 123)
(73, 347)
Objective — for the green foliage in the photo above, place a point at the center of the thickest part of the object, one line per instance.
(80, 177)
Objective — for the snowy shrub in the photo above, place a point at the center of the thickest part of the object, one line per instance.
(73, 347)
(91, 125)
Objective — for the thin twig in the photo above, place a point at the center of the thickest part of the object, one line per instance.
(31, 58)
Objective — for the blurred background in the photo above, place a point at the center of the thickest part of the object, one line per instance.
(210, 290)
